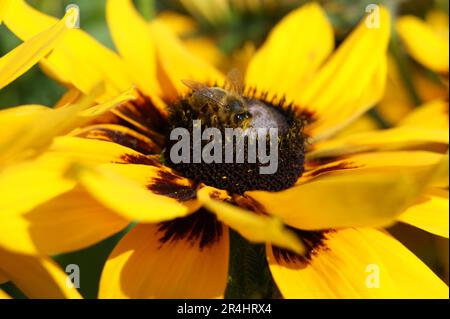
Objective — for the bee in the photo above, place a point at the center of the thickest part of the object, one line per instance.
(220, 107)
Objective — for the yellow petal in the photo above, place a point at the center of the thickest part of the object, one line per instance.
(142, 267)
(440, 173)
(294, 51)
(337, 117)
(418, 163)
(72, 96)
(127, 190)
(390, 139)
(16, 118)
(364, 124)
(38, 278)
(92, 151)
(438, 21)
(120, 135)
(147, 115)
(256, 228)
(186, 28)
(4, 295)
(78, 60)
(211, 11)
(25, 56)
(145, 170)
(66, 223)
(33, 129)
(178, 63)
(352, 192)
(433, 115)
(138, 50)
(179, 24)
(424, 44)
(429, 212)
(357, 263)
(397, 101)
(428, 88)
(4, 4)
(351, 81)
(27, 185)
(206, 49)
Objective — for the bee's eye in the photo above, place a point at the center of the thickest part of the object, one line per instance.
(242, 116)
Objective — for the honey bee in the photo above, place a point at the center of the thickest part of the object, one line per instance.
(220, 107)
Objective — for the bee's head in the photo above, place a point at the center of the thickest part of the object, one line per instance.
(243, 115)
(239, 111)
(236, 105)
(242, 118)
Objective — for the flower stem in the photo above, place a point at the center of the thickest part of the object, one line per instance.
(249, 275)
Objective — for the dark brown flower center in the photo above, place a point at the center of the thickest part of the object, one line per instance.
(283, 152)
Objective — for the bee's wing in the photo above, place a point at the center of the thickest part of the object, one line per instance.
(235, 82)
(194, 85)
(211, 97)
(197, 86)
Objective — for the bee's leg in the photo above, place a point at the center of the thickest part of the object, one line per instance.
(214, 120)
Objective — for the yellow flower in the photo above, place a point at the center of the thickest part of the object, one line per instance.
(216, 12)
(350, 188)
(37, 277)
(4, 4)
(212, 11)
(32, 128)
(186, 28)
(427, 42)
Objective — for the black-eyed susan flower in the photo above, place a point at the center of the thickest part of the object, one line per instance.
(335, 196)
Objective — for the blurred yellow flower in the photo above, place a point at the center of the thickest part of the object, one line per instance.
(37, 277)
(350, 188)
(213, 11)
(4, 295)
(427, 42)
(186, 28)
(4, 4)
(216, 12)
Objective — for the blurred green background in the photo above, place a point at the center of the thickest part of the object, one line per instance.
(230, 32)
